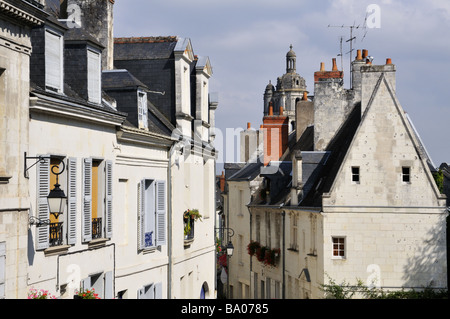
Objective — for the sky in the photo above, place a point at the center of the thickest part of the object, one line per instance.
(247, 42)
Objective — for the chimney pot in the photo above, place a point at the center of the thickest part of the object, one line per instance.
(388, 61)
(305, 96)
(359, 55)
(322, 67)
(281, 110)
(335, 68)
(365, 54)
(270, 110)
(249, 126)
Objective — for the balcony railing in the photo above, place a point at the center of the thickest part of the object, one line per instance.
(56, 234)
(96, 228)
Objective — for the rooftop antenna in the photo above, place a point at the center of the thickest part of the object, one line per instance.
(352, 38)
(341, 39)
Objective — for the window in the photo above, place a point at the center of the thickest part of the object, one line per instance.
(102, 283)
(2, 269)
(339, 247)
(97, 199)
(62, 230)
(152, 291)
(355, 175)
(406, 174)
(54, 61)
(151, 214)
(94, 75)
(294, 232)
(142, 110)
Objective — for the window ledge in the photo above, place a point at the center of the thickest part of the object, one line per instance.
(188, 242)
(5, 179)
(55, 251)
(97, 242)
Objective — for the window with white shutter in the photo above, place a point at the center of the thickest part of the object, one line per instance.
(54, 61)
(108, 199)
(151, 214)
(87, 200)
(72, 201)
(42, 210)
(94, 76)
(152, 291)
(142, 110)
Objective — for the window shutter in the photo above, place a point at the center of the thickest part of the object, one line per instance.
(86, 283)
(108, 199)
(43, 213)
(109, 292)
(53, 60)
(94, 77)
(141, 214)
(2, 269)
(160, 213)
(158, 291)
(87, 200)
(72, 201)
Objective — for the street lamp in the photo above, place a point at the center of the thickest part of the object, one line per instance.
(230, 249)
(57, 199)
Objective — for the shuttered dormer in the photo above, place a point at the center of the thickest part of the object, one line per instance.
(83, 65)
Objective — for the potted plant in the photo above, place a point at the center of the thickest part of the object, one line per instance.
(86, 294)
(190, 216)
(252, 247)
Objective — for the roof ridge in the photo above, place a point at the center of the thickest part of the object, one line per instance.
(157, 39)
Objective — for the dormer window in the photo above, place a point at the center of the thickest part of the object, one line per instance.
(142, 110)
(94, 75)
(54, 58)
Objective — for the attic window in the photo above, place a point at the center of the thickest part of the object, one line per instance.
(53, 61)
(94, 75)
(406, 174)
(142, 110)
(355, 174)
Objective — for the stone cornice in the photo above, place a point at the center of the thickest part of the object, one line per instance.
(25, 11)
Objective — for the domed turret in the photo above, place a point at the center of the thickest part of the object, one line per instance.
(291, 61)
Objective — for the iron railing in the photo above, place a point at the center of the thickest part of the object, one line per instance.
(56, 234)
(96, 228)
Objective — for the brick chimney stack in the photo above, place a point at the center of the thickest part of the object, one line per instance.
(276, 134)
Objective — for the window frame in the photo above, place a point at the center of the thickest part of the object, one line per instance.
(342, 247)
(406, 175)
(49, 86)
(94, 94)
(142, 109)
(356, 175)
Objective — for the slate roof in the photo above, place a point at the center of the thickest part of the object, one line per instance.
(144, 48)
(116, 79)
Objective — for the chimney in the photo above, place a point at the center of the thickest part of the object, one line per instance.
(249, 126)
(324, 75)
(304, 115)
(97, 19)
(276, 135)
(297, 177)
(222, 182)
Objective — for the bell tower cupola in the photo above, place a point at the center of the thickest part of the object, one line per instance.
(291, 61)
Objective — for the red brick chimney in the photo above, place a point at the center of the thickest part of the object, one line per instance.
(276, 135)
(324, 75)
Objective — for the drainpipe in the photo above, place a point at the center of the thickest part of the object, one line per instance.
(283, 294)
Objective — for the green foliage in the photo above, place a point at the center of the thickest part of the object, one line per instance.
(439, 179)
(360, 291)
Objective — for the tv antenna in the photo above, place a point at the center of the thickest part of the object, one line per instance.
(352, 38)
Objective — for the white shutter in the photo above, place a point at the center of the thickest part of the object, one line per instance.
(43, 213)
(160, 213)
(108, 199)
(72, 201)
(53, 60)
(94, 76)
(158, 291)
(109, 290)
(141, 214)
(87, 200)
(2, 269)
